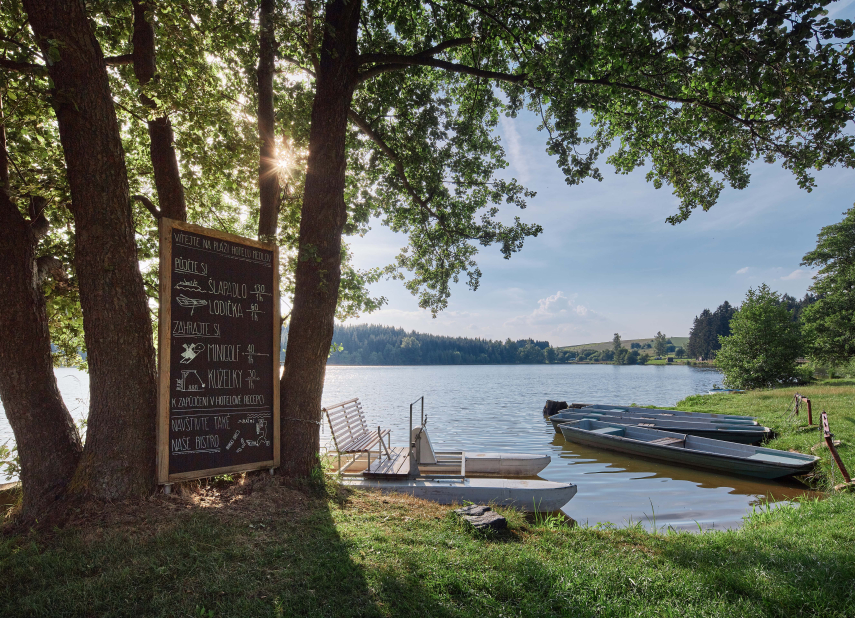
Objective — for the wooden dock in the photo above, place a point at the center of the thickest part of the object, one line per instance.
(397, 466)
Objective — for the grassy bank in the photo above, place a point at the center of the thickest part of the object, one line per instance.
(277, 552)
(773, 407)
(257, 548)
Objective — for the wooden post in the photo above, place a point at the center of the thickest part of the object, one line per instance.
(830, 442)
(810, 413)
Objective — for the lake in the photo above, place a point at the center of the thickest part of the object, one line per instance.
(498, 408)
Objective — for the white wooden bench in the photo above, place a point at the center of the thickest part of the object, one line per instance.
(350, 433)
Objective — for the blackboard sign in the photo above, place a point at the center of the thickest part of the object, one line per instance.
(219, 353)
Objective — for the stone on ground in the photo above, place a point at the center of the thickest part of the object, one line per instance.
(482, 517)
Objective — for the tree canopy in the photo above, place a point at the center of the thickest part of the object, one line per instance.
(830, 321)
(764, 343)
(370, 111)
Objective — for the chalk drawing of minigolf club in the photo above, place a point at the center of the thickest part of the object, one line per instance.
(191, 351)
(193, 303)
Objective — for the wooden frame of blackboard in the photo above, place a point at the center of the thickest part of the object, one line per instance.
(164, 332)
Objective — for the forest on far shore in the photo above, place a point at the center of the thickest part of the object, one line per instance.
(371, 344)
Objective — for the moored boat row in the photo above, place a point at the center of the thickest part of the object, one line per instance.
(688, 450)
(742, 433)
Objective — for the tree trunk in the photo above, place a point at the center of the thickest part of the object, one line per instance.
(167, 178)
(319, 265)
(119, 456)
(48, 443)
(268, 173)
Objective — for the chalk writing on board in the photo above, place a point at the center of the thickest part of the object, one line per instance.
(225, 308)
(259, 293)
(195, 329)
(223, 353)
(227, 288)
(251, 353)
(220, 352)
(252, 378)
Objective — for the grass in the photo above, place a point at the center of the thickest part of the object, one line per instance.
(254, 547)
(607, 345)
(277, 552)
(773, 408)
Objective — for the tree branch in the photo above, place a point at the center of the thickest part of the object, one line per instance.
(425, 53)
(662, 97)
(363, 125)
(396, 63)
(119, 60)
(149, 205)
(424, 204)
(297, 64)
(22, 67)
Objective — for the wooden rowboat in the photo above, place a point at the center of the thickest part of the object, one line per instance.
(700, 416)
(736, 432)
(679, 448)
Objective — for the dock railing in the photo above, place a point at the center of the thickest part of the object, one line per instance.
(414, 464)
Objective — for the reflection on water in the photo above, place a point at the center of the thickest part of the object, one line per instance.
(624, 490)
(497, 408)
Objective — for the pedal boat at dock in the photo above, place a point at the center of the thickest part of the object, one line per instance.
(446, 477)
(676, 414)
(741, 433)
(455, 477)
(523, 494)
(683, 449)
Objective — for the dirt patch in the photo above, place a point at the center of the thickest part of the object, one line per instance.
(247, 497)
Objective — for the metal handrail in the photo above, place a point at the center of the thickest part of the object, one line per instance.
(413, 461)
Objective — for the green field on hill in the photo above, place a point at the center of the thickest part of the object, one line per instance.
(607, 345)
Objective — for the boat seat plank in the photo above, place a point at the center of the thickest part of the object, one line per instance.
(668, 441)
(773, 458)
(609, 431)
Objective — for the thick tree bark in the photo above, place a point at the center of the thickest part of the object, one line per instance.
(48, 443)
(119, 456)
(319, 265)
(268, 173)
(167, 178)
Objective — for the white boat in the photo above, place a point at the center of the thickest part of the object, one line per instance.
(505, 464)
(446, 477)
(522, 494)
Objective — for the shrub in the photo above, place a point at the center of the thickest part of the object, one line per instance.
(764, 344)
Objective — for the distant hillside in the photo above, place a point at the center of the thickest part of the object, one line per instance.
(607, 345)
(370, 344)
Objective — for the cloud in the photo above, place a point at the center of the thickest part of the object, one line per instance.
(555, 310)
(742, 271)
(799, 273)
(516, 157)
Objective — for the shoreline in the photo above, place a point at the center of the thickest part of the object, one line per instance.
(258, 546)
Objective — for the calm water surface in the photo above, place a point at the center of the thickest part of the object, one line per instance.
(489, 408)
(497, 408)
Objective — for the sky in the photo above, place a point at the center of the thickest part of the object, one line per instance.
(608, 262)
